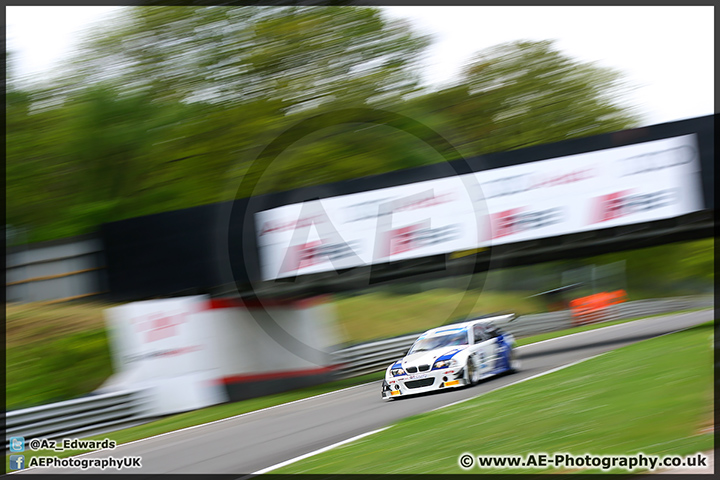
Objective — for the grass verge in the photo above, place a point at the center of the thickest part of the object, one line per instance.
(653, 397)
(54, 352)
(383, 315)
(56, 369)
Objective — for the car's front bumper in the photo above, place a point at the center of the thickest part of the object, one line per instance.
(422, 382)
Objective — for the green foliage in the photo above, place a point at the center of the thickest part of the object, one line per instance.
(299, 55)
(167, 107)
(557, 97)
(57, 369)
(680, 268)
(28, 379)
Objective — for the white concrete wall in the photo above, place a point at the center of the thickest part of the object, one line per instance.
(181, 349)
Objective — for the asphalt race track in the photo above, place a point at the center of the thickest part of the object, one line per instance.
(254, 441)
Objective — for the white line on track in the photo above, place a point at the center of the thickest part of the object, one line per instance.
(358, 437)
(321, 450)
(291, 403)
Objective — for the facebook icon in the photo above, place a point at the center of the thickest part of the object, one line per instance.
(17, 462)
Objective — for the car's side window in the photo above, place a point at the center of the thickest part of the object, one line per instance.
(479, 333)
(493, 331)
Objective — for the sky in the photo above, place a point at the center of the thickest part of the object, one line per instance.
(665, 52)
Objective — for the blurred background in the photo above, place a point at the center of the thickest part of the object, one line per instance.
(162, 108)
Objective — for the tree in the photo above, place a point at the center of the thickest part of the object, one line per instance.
(167, 108)
(304, 56)
(523, 93)
(163, 108)
(512, 96)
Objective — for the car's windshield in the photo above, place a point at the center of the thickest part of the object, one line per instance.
(457, 337)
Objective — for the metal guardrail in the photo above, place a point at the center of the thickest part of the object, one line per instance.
(375, 356)
(55, 271)
(83, 415)
(371, 357)
(653, 307)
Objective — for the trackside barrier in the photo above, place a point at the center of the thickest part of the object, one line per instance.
(79, 416)
(375, 356)
(370, 357)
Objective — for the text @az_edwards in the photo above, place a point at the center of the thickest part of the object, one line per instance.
(70, 444)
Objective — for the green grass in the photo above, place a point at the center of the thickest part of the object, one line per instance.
(56, 369)
(383, 315)
(653, 397)
(54, 352)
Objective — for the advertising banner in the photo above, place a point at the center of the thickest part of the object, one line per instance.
(396, 223)
(165, 347)
(159, 337)
(589, 191)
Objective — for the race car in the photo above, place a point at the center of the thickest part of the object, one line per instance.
(452, 356)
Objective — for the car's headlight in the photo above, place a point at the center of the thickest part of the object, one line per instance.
(445, 364)
(396, 372)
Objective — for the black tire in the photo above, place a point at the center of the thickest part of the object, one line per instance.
(385, 387)
(514, 362)
(470, 372)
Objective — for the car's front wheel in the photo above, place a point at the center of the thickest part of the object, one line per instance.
(385, 388)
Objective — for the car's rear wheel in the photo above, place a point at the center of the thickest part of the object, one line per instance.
(514, 362)
(473, 373)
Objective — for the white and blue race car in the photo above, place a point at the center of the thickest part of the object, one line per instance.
(452, 356)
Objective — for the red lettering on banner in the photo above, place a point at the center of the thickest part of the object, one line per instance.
(427, 202)
(505, 223)
(574, 176)
(159, 325)
(274, 226)
(610, 206)
(401, 239)
(302, 256)
(307, 254)
(620, 204)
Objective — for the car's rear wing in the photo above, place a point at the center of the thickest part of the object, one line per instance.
(509, 317)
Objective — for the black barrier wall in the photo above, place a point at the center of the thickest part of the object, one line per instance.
(182, 252)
